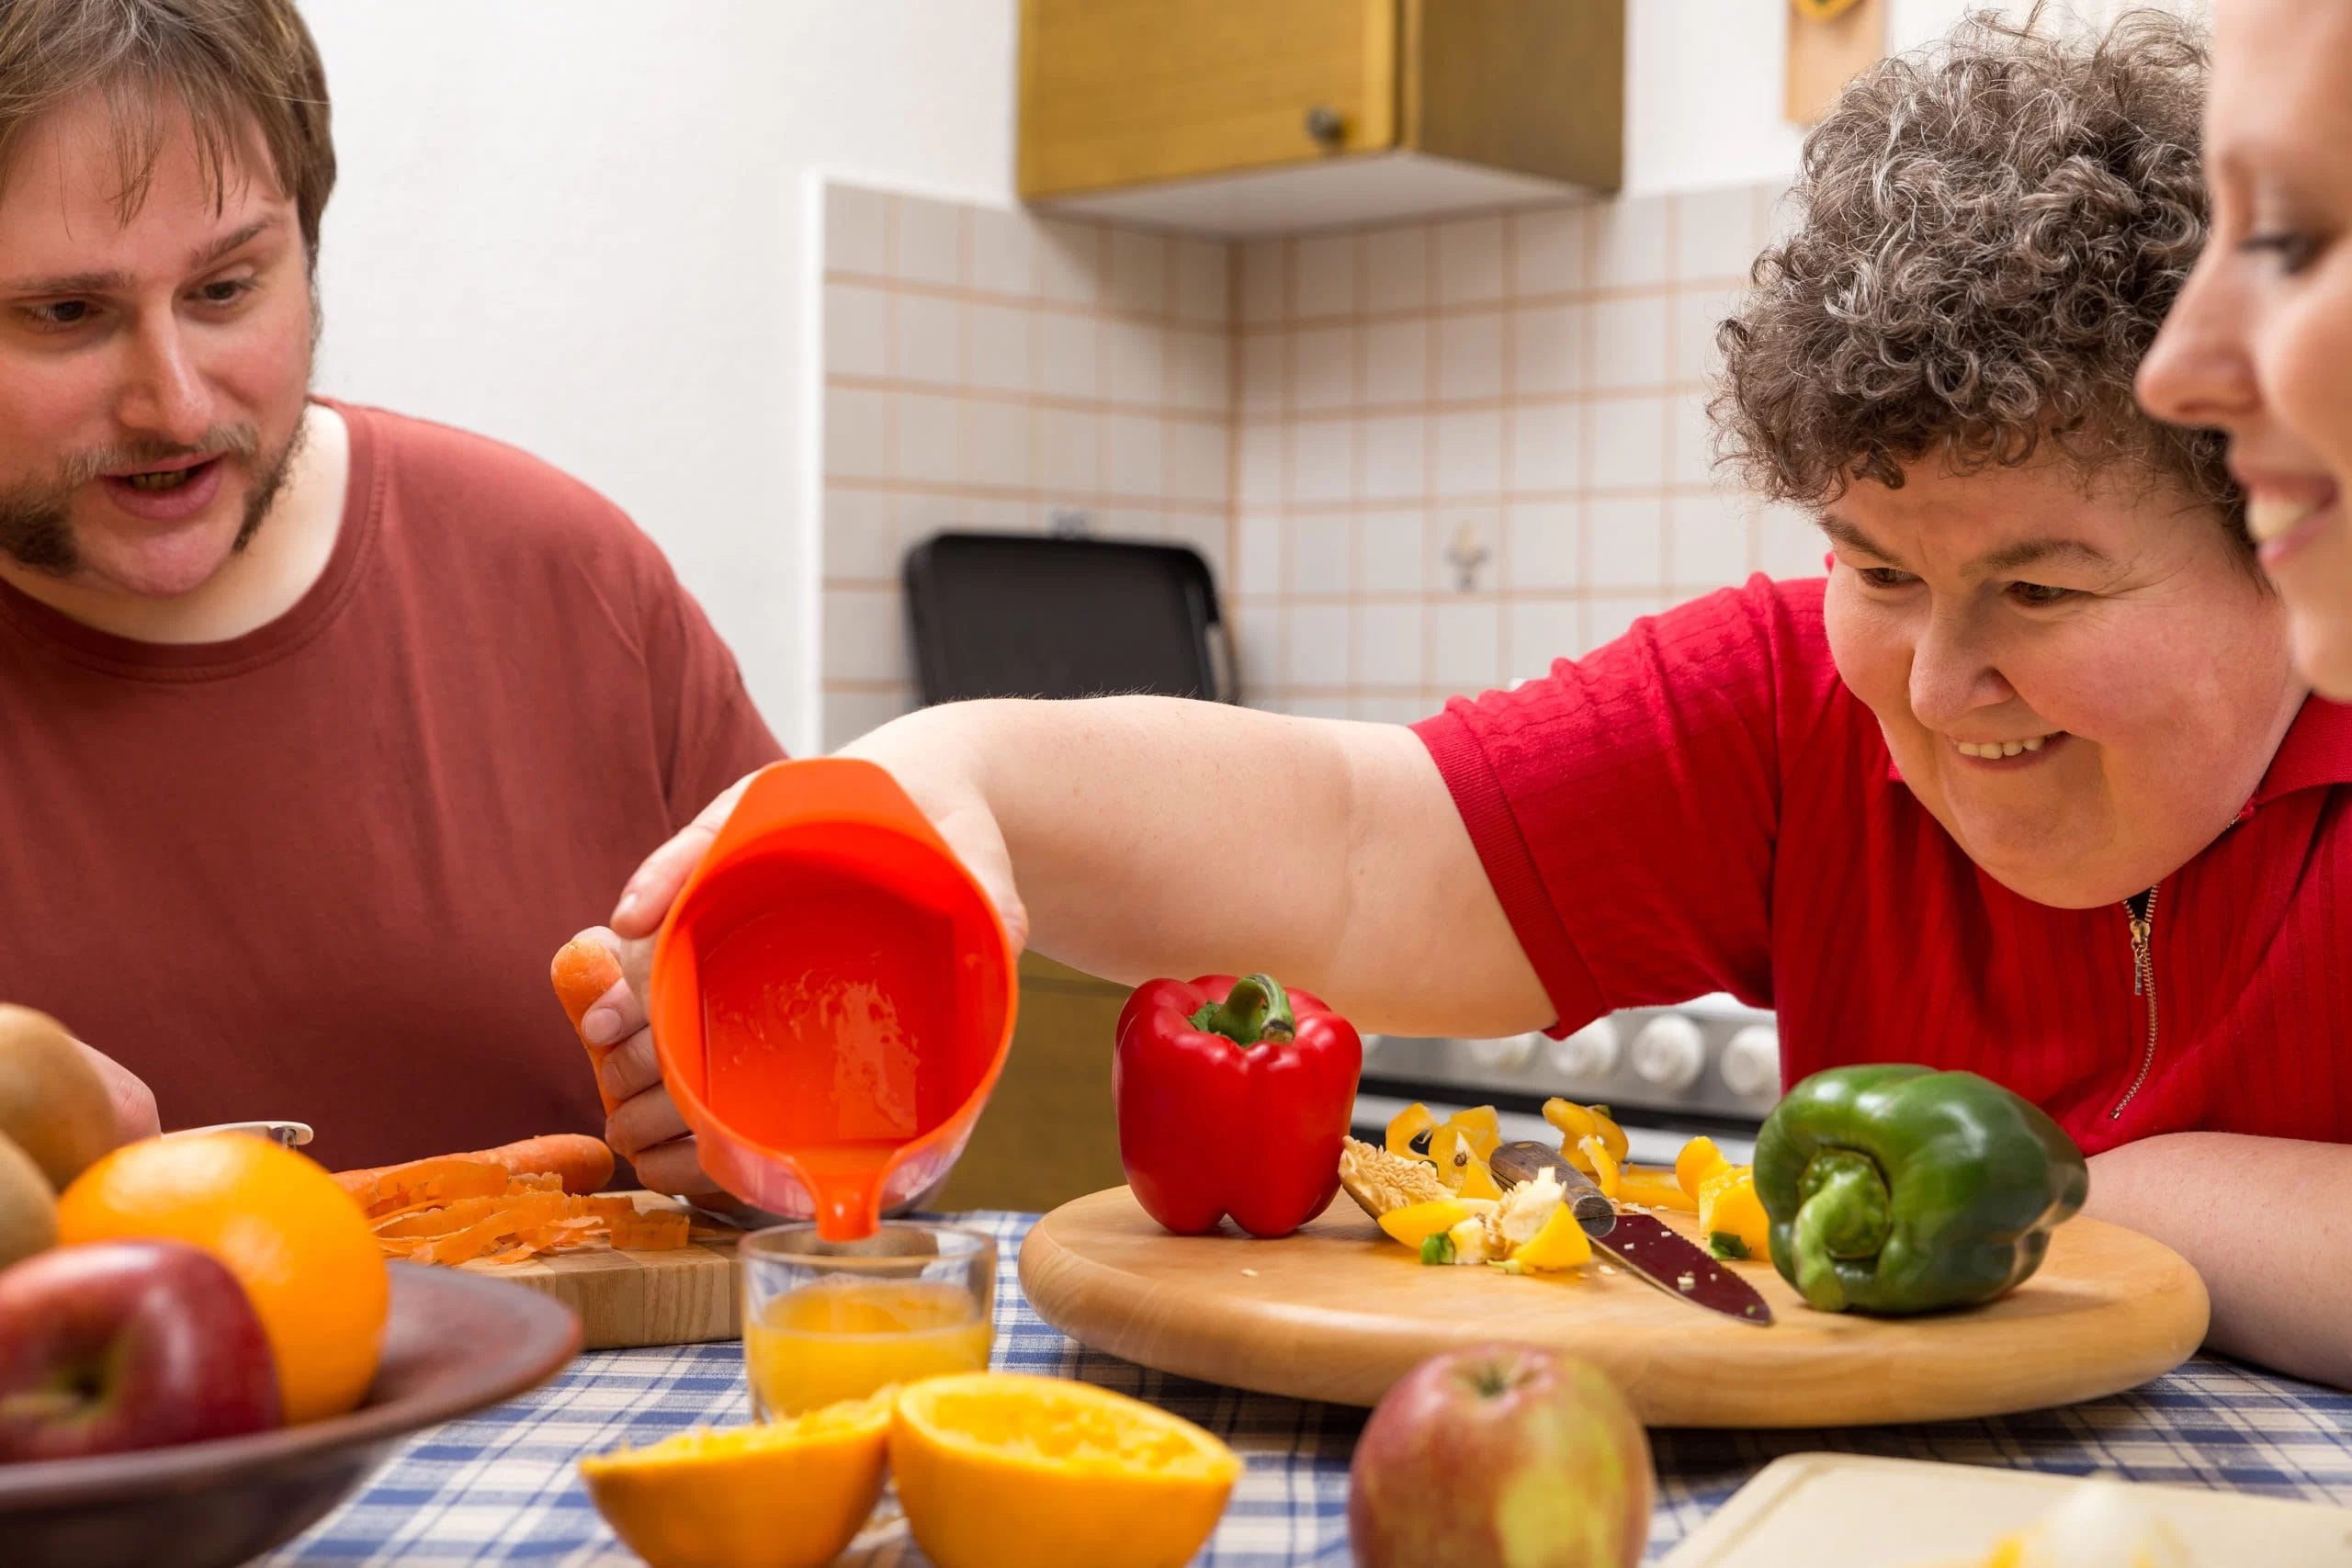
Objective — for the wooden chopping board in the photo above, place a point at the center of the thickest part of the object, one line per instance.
(1850, 1511)
(1338, 1312)
(680, 1297)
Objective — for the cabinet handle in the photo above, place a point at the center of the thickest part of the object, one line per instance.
(1325, 126)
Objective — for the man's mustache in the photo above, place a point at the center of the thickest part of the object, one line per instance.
(220, 441)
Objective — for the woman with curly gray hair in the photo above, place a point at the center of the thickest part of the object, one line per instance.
(2027, 786)
(2051, 605)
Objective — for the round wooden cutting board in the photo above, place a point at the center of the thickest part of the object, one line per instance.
(1338, 1312)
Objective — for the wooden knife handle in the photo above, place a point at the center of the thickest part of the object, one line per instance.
(1515, 1163)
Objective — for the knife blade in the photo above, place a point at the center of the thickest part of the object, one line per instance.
(293, 1135)
(1641, 1243)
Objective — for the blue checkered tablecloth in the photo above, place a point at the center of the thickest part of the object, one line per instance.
(500, 1487)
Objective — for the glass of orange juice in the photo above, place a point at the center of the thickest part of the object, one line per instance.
(826, 1321)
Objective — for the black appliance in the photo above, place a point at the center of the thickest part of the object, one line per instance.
(1037, 616)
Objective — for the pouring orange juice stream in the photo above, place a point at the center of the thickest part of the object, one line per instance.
(832, 998)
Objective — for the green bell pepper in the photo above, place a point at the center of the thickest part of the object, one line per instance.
(1895, 1189)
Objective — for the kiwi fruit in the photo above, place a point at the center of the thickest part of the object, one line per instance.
(53, 1105)
(27, 1207)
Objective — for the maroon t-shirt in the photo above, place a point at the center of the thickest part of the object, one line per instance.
(1702, 805)
(316, 872)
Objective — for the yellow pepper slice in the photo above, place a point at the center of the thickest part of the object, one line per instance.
(1479, 1181)
(1699, 1159)
(1653, 1187)
(1561, 1243)
(1453, 1149)
(1599, 1164)
(1416, 1223)
(1732, 1217)
(1574, 1121)
(1611, 1134)
(1577, 1122)
(1459, 1146)
(1481, 1128)
(1407, 1125)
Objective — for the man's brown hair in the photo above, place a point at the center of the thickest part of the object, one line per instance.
(239, 67)
(1990, 235)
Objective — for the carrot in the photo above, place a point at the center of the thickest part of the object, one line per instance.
(584, 1163)
(584, 970)
(580, 1164)
(649, 1233)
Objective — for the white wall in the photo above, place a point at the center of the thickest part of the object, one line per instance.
(1704, 80)
(580, 226)
(584, 226)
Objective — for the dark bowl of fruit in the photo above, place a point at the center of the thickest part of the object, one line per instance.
(454, 1343)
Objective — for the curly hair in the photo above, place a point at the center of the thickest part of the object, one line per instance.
(1991, 233)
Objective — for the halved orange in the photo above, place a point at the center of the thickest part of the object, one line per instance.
(789, 1494)
(999, 1470)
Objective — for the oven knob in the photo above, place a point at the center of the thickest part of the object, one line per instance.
(1590, 1053)
(1507, 1055)
(1751, 1064)
(1669, 1053)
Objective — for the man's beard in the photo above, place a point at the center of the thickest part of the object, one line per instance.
(36, 519)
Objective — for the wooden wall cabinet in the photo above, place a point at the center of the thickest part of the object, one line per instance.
(1239, 117)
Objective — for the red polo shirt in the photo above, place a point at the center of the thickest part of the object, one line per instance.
(1702, 805)
(316, 871)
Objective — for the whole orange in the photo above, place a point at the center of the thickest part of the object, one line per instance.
(294, 1240)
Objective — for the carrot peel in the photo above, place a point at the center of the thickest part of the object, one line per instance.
(493, 1207)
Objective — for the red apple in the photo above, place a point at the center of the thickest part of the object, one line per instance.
(1500, 1456)
(121, 1345)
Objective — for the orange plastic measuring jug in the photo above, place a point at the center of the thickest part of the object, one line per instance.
(831, 996)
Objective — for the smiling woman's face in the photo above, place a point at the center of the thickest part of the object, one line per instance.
(2084, 688)
(2260, 343)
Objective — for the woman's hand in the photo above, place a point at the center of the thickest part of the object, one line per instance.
(1156, 836)
(933, 779)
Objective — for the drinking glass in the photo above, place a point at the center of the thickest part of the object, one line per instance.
(826, 1321)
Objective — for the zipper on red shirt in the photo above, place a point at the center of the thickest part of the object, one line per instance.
(2143, 916)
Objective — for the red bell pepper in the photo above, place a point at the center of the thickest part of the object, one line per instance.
(1233, 1096)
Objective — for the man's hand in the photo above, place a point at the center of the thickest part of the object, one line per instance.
(135, 1116)
(644, 1127)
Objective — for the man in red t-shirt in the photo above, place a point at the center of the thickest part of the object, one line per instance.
(320, 728)
(2029, 786)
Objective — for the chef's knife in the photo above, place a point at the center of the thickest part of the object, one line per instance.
(1640, 1242)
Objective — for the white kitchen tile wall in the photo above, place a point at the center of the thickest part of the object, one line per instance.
(1420, 458)
(986, 369)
